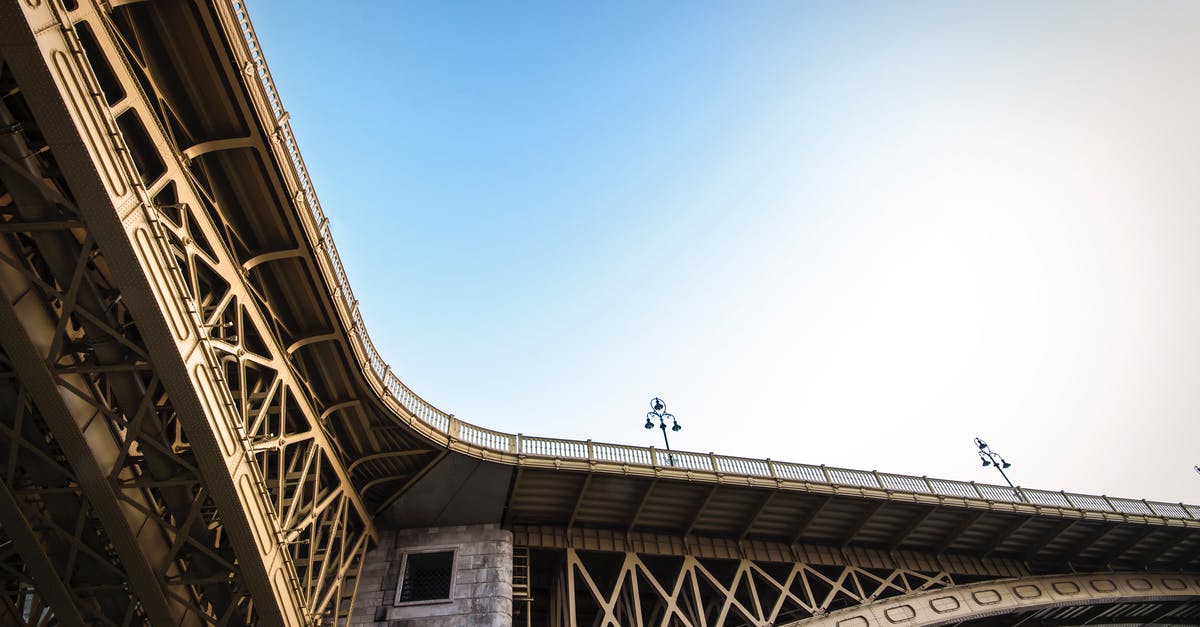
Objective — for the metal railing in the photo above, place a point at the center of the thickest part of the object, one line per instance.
(308, 205)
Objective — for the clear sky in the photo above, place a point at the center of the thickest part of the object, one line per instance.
(857, 234)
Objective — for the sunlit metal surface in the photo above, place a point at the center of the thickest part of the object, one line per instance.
(197, 427)
(1069, 599)
(151, 360)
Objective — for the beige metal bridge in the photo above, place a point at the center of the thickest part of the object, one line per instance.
(195, 427)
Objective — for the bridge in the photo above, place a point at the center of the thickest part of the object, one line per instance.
(197, 428)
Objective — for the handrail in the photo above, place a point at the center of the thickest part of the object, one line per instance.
(455, 430)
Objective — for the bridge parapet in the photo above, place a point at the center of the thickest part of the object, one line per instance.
(521, 449)
(562, 453)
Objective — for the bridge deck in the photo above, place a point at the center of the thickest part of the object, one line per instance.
(610, 486)
(264, 305)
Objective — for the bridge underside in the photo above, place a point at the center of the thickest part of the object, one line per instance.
(162, 459)
(192, 431)
(596, 588)
(606, 577)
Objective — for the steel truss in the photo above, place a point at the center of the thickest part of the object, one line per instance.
(105, 492)
(165, 460)
(631, 589)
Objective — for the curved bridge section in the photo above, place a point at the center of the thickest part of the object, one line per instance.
(588, 456)
(197, 429)
(1093, 599)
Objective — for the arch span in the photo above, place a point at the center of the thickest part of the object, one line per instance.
(1178, 597)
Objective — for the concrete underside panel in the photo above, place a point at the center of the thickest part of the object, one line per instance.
(458, 491)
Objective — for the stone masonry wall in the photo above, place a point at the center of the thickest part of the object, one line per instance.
(481, 595)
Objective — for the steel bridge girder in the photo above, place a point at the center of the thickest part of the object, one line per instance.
(80, 130)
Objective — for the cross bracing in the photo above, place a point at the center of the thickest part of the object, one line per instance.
(199, 429)
(607, 577)
(631, 588)
(135, 334)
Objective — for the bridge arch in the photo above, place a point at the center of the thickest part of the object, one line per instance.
(1177, 597)
(230, 403)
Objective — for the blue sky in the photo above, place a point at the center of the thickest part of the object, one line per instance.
(858, 234)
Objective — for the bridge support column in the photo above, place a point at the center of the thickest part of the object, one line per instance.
(437, 577)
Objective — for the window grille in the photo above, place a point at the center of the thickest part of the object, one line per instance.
(427, 577)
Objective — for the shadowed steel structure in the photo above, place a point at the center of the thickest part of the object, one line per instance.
(197, 429)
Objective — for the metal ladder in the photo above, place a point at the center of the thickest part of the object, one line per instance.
(520, 582)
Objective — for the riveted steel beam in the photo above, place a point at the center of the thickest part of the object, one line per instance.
(637, 512)
(27, 542)
(901, 536)
(92, 457)
(699, 513)
(756, 514)
(863, 520)
(803, 523)
(587, 480)
(1015, 525)
(260, 492)
(969, 518)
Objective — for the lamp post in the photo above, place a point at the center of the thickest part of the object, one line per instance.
(992, 458)
(658, 409)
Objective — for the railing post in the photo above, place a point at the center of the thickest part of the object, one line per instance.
(452, 427)
(825, 472)
(590, 456)
(978, 491)
(771, 469)
(930, 486)
(878, 480)
(713, 459)
(653, 457)
(1067, 498)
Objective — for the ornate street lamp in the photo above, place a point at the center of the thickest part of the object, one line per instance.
(658, 409)
(992, 458)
